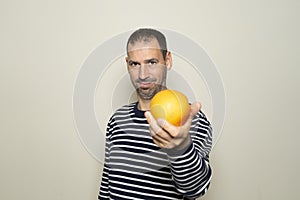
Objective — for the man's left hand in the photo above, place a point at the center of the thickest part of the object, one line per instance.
(166, 135)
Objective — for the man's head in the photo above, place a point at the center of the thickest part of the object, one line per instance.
(147, 62)
(146, 35)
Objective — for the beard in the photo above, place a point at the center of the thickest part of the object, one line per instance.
(148, 94)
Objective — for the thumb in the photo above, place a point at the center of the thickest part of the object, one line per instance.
(195, 107)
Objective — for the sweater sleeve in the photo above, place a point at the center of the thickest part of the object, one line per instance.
(190, 167)
(104, 187)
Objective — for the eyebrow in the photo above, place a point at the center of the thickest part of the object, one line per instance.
(130, 62)
(145, 61)
(150, 60)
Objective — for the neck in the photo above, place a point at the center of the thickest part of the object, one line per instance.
(143, 105)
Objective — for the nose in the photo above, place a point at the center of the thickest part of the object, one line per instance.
(143, 72)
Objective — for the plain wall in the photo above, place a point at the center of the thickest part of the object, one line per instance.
(254, 44)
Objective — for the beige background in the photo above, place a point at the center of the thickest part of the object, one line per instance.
(255, 45)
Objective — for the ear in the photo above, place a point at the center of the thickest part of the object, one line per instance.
(126, 59)
(169, 62)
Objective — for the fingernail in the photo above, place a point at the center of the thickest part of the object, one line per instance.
(161, 122)
(148, 117)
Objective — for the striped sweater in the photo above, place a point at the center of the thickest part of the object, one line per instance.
(136, 168)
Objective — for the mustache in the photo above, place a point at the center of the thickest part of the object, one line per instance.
(146, 80)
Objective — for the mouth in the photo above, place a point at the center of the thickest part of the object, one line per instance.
(145, 85)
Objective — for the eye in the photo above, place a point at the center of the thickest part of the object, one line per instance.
(152, 62)
(133, 64)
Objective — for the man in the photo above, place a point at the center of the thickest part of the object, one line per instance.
(148, 158)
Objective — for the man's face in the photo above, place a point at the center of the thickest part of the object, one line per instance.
(147, 68)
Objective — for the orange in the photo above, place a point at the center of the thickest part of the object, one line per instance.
(170, 105)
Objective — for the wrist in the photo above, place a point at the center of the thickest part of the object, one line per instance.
(180, 149)
(184, 144)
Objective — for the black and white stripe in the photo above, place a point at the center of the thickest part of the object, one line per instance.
(135, 168)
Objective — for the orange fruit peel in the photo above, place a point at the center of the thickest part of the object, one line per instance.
(170, 105)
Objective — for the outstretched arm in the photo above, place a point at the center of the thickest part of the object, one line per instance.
(188, 148)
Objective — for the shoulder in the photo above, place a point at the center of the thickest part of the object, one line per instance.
(200, 116)
(123, 111)
(201, 133)
(201, 125)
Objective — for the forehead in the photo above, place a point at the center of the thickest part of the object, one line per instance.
(143, 45)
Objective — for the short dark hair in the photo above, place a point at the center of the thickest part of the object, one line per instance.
(146, 35)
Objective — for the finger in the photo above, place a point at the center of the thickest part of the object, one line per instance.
(168, 127)
(194, 109)
(152, 122)
(149, 117)
(159, 143)
(162, 142)
(156, 130)
(157, 139)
